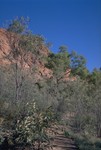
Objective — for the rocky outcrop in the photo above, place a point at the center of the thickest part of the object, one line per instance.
(9, 41)
(4, 47)
(26, 60)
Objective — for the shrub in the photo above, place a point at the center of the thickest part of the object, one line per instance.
(32, 128)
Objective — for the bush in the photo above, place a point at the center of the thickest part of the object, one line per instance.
(32, 128)
(85, 142)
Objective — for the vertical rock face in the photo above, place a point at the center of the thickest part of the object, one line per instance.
(26, 60)
(29, 60)
(4, 47)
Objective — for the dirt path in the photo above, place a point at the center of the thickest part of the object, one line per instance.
(60, 142)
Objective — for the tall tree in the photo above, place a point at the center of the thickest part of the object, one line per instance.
(59, 62)
(18, 28)
(78, 65)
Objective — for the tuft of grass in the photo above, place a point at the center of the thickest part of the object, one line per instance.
(68, 134)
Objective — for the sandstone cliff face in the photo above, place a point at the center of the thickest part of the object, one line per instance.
(7, 40)
(26, 60)
(4, 47)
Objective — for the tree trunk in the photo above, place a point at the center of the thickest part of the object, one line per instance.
(16, 84)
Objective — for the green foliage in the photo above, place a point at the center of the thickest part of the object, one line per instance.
(18, 25)
(76, 103)
(84, 141)
(77, 60)
(68, 134)
(58, 62)
(62, 60)
(63, 49)
(31, 43)
(32, 128)
(1, 136)
(78, 65)
(95, 77)
(88, 143)
(26, 41)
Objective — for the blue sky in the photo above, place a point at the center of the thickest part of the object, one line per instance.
(75, 23)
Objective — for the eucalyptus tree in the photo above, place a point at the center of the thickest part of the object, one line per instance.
(24, 45)
(78, 65)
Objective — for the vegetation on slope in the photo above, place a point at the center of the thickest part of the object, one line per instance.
(76, 103)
